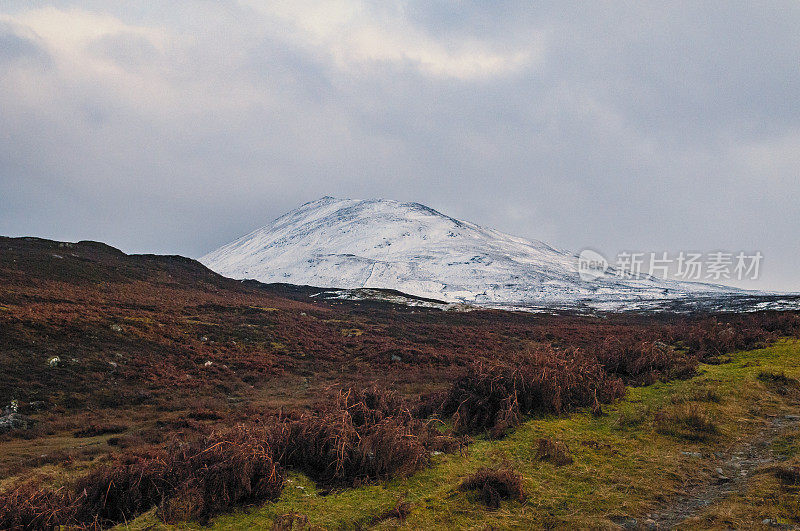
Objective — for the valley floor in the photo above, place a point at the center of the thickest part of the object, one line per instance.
(720, 450)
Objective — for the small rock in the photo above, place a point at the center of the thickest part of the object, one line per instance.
(113, 364)
(720, 471)
(116, 328)
(209, 363)
(203, 338)
(436, 452)
(792, 417)
(54, 361)
(625, 522)
(692, 454)
(650, 524)
(395, 357)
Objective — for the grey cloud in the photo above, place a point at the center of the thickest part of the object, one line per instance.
(125, 49)
(641, 126)
(15, 47)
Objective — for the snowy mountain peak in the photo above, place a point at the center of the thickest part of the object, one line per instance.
(412, 248)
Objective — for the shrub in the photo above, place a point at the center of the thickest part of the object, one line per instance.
(555, 452)
(494, 485)
(687, 421)
(29, 506)
(495, 396)
(363, 436)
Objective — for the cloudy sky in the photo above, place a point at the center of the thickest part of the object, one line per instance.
(174, 127)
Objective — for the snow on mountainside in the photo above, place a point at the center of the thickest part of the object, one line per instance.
(408, 247)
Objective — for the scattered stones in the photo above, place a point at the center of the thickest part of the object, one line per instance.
(650, 524)
(695, 455)
(625, 522)
(13, 420)
(742, 462)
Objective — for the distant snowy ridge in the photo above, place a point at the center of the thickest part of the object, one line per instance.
(408, 247)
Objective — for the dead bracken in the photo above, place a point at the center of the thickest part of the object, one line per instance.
(494, 485)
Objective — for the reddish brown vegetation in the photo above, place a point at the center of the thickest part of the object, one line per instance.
(134, 335)
(186, 482)
(363, 436)
(494, 485)
(496, 396)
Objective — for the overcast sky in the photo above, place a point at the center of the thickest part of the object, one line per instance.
(175, 127)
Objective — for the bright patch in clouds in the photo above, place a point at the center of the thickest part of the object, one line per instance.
(355, 33)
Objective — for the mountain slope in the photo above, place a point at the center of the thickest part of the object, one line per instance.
(346, 243)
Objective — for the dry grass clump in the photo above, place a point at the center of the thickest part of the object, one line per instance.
(703, 394)
(494, 485)
(789, 475)
(363, 436)
(780, 383)
(555, 452)
(27, 506)
(643, 361)
(631, 417)
(290, 522)
(686, 421)
(400, 511)
(93, 430)
(495, 396)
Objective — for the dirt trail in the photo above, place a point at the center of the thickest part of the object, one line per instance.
(734, 470)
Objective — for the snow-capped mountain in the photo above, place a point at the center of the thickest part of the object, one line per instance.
(408, 247)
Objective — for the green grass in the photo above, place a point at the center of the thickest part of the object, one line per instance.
(622, 464)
